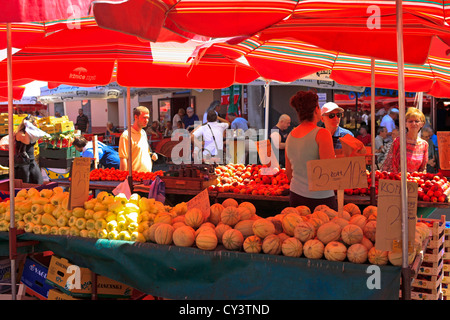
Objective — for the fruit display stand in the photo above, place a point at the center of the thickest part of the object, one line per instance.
(446, 266)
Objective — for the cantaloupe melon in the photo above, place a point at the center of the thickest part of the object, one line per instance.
(252, 244)
(263, 227)
(313, 249)
(357, 253)
(289, 222)
(184, 236)
(232, 239)
(193, 218)
(230, 215)
(335, 251)
(215, 212)
(206, 240)
(271, 244)
(291, 247)
(328, 232)
(352, 234)
(245, 227)
(163, 233)
(304, 231)
(377, 257)
(230, 202)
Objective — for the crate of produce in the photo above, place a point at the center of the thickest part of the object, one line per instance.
(58, 276)
(431, 268)
(433, 255)
(437, 226)
(62, 153)
(34, 276)
(428, 282)
(55, 163)
(186, 183)
(65, 126)
(426, 294)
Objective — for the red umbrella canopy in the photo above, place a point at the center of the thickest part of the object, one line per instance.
(17, 93)
(356, 27)
(35, 10)
(89, 56)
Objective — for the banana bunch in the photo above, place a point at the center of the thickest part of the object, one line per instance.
(104, 217)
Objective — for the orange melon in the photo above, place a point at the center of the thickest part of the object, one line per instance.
(289, 210)
(303, 210)
(369, 210)
(367, 243)
(304, 231)
(263, 227)
(232, 239)
(328, 232)
(291, 247)
(352, 209)
(283, 236)
(206, 240)
(176, 225)
(149, 233)
(313, 249)
(352, 234)
(340, 221)
(252, 244)
(289, 222)
(335, 251)
(320, 215)
(395, 257)
(220, 230)
(357, 253)
(245, 227)
(271, 244)
(230, 215)
(163, 233)
(244, 213)
(321, 207)
(316, 222)
(250, 206)
(370, 230)
(359, 220)
(378, 257)
(230, 202)
(184, 236)
(215, 212)
(163, 217)
(193, 218)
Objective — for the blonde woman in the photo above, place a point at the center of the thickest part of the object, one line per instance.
(416, 147)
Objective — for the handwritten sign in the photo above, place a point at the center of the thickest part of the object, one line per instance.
(201, 201)
(443, 138)
(389, 214)
(79, 183)
(266, 154)
(337, 174)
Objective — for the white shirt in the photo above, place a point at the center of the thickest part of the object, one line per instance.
(217, 128)
(175, 120)
(388, 123)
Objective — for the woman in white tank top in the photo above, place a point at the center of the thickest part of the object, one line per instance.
(307, 142)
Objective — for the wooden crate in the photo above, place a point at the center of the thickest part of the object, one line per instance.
(437, 228)
(428, 282)
(427, 294)
(431, 268)
(184, 183)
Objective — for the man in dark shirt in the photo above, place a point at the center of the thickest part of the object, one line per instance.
(82, 123)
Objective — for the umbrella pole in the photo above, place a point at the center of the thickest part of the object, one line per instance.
(266, 109)
(372, 131)
(130, 157)
(406, 272)
(12, 228)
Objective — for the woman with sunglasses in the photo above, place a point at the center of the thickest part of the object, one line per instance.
(416, 147)
(331, 117)
(307, 142)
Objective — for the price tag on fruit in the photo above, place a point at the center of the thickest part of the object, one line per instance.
(389, 216)
(337, 174)
(79, 182)
(443, 138)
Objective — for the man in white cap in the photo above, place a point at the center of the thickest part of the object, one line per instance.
(331, 117)
(388, 121)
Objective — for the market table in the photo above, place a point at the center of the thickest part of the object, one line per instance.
(189, 273)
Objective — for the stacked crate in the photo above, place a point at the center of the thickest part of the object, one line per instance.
(4, 122)
(446, 279)
(428, 283)
(51, 156)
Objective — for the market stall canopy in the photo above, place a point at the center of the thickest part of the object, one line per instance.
(17, 93)
(365, 28)
(90, 55)
(288, 59)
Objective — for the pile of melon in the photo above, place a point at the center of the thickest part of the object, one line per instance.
(295, 232)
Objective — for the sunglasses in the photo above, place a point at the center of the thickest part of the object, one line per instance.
(332, 115)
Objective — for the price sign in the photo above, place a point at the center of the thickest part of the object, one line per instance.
(79, 183)
(444, 149)
(337, 174)
(266, 154)
(389, 214)
(201, 201)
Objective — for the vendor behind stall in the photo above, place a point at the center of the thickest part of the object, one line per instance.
(108, 157)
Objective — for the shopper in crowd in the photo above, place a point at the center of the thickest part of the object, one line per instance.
(278, 136)
(189, 119)
(82, 122)
(208, 138)
(168, 129)
(416, 147)
(110, 138)
(307, 142)
(178, 116)
(140, 150)
(238, 123)
(25, 166)
(154, 134)
(331, 118)
(107, 156)
(388, 121)
(427, 133)
(364, 136)
(365, 117)
(215, 105)
(380, 148)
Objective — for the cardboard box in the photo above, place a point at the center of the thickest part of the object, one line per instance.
(58, 276)
(55, 294)
(34, 277)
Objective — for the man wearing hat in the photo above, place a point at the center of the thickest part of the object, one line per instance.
(331, 117)
(388, 121)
